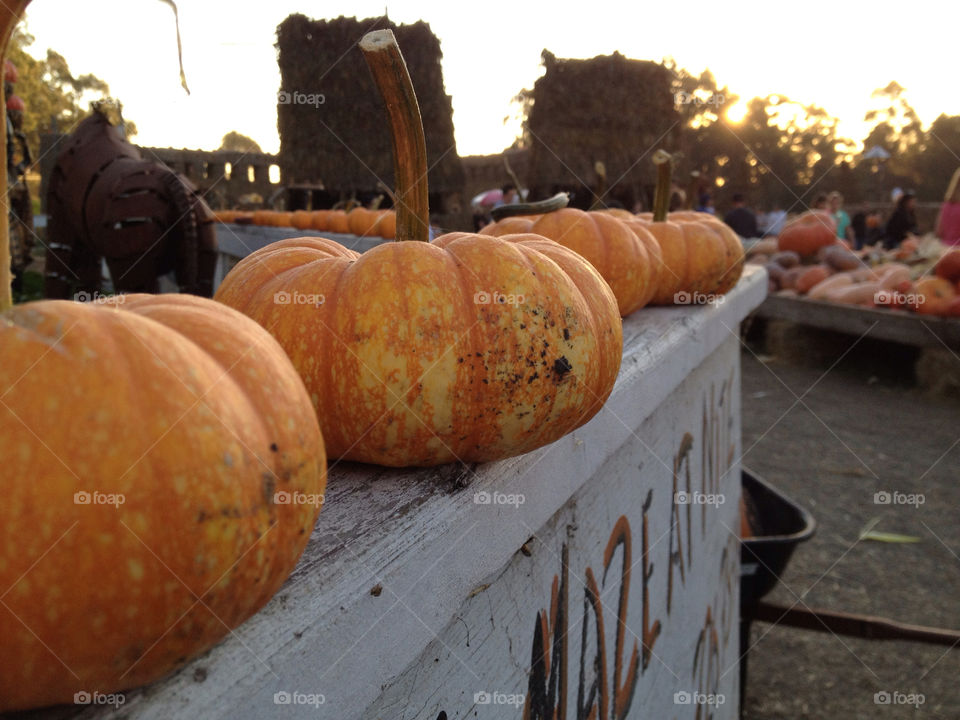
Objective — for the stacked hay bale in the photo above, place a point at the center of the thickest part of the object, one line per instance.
(335, 133)
(608, 109)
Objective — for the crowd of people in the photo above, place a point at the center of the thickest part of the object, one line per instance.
(865, 228)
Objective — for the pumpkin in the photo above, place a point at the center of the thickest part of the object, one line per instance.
(809, 232)
(319, 219)
(338, 222)
(654, 253)
(150, 447)
(607, 244)
(811, 277)
(471, 349)
(362, 222)
(225, 216)
(301, 220)
(510, 225)
(933, 295)
(387, 225)
(701, 255)
(948, 266)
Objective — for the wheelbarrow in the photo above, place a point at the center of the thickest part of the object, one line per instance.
(778, 525)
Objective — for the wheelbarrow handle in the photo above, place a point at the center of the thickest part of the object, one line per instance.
(852, 624)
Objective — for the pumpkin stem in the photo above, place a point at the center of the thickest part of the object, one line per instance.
(541, 207)
(661, 196)
(392, 79)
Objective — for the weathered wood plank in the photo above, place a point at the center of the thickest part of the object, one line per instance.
(892, 325)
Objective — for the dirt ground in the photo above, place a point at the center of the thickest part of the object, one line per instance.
(831, 439)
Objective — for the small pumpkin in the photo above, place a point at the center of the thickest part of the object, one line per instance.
(387, 225)
(607, 244)
(933, 295)
(150, 445)
(809, 232)
(319, 219)
(701, 255)
(812, 277)
(948, 266)
(362, 222)
(510, 225)
(301, 220)
(471, 349)
(338, 222)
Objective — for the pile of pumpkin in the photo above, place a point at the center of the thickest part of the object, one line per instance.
(359, 221)
(808, 260)
(165, 456)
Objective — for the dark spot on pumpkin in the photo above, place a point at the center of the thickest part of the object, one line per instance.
(274, 448)
(459, 360)
(201, 516)
(566, 334)
(486, 382)
(269, 488)
(376, 590)
(561, 366)
(532, 378)
(200, 674)
(522, 326)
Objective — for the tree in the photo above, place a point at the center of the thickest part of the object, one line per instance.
(50, 91)
(240, 143)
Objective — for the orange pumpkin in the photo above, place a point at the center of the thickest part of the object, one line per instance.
(933, 295)
(150, 448)
(811, 277)
(808, 233)
(510, 225)
(320, 219)
(362, 222)
(700, 256)
(387, 225)
(473, 349)
(609, 245)
(948, 266)
(338, 222)
(301, 219)
(263, 217)
(654, 253)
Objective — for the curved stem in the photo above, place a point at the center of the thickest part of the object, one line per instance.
(406, 132)
(558, 201)
(661, 196)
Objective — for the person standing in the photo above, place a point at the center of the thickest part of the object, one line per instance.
(948, 220)
(903, 222)
(741, 219)
(840, 217)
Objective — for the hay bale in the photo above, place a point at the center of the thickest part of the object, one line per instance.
(344, 143)
(607, 109)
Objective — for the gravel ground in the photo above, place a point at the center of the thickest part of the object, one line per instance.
(831, 440)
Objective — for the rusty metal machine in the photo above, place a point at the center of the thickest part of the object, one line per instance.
(105, 201)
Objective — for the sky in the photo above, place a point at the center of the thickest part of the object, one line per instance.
(834, 58)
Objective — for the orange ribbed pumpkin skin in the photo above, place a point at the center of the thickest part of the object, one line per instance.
(808, 233)
(193, 414)
(700, 255)
(406, 363)
(511, 225)
(609, 245)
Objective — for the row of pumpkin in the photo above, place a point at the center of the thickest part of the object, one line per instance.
(166, 455)
(359, 221)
